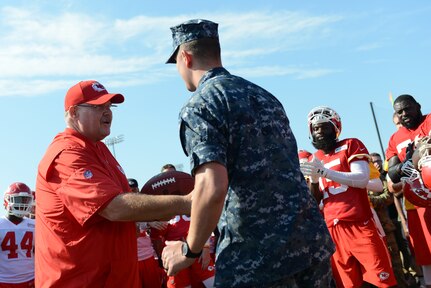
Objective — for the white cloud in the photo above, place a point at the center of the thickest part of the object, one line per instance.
(17, 87)
(37, 67)
(47, 50)
(297, 73)
(271, 26)
(74, 31)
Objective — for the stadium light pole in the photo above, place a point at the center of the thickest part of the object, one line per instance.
(111, 141)
(377, 129)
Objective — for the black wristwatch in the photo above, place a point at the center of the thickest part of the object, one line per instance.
(188, 253)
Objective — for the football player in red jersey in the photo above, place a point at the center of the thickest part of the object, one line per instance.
(17, 238)
(150, 274)
(201, 272)
(415, 125)
(339, 173)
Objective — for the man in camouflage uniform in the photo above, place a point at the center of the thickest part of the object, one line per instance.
(380, 201)
(247, 179)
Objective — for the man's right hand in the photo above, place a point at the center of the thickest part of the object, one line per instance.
(314, 169)
(173, 259)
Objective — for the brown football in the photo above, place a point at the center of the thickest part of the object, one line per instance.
(169, 183)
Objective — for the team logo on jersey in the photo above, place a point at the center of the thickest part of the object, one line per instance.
(383, 276)
(88, 174)
(121, 169)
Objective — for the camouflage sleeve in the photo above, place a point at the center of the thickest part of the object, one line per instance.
(381, 199)
(203, 130)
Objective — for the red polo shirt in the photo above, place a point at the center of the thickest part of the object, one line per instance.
(75, 246)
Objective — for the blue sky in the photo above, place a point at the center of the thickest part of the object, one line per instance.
(342, 54)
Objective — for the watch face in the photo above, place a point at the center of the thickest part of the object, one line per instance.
(184, 249)
(188, 253)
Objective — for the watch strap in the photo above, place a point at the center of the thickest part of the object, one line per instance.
(189, 253)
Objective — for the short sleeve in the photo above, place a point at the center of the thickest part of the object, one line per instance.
(357, 151)
(391, 151)
(203, 134)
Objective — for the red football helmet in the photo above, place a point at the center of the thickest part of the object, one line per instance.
(18, 199)
(323, 114)
(304, 156)
(424, 163)
(414, 189)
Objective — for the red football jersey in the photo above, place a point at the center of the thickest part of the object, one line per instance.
(341, 202)
(177, 229)
(403, 137)
(420, 235)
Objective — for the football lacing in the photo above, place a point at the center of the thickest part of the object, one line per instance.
(163, 182)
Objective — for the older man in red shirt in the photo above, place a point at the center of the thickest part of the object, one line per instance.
(86, 235)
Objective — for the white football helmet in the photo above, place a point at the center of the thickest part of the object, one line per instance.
(322, 114)
(18, 199)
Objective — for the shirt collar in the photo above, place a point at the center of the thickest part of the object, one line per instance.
(70, 131)
(213, 73)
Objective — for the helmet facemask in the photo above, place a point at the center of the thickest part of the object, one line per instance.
(18, 199)
(321, 115)
(414, 188)
(19, 204)
(424, 163)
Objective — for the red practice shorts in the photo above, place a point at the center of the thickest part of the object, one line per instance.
(419, 222)
(194, 273)
(361, 255)
(28, 284)
(150, 273)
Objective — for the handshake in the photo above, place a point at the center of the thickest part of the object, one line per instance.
(314, 169)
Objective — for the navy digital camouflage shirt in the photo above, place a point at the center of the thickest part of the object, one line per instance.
(270, 227)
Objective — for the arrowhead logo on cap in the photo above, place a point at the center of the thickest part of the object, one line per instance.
(98, 87)
(88, 174)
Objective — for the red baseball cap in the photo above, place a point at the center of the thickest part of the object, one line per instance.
(91, 92)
